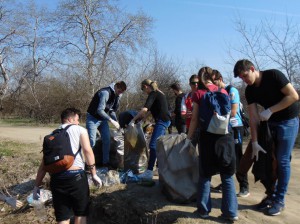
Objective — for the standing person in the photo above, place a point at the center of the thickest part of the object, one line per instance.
(272, 90)
(238, 130)
(209, 164)
(157, 104)
(187, 106)
(70, 190)
(102, 109)
(179, 120)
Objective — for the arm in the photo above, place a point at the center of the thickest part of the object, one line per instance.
(103, 98)
(290, 97)
(141, 114)
(11, 201)
(194, 121)
(113, 115)
(254, 120)
(88, 152)
(40, 174)
(234, 109)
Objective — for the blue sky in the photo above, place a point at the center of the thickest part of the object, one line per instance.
(190, 30)
(199, 30)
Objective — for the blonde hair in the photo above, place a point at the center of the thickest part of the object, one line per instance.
(152, 84)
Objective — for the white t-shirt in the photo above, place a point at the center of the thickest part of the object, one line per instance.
(74, 132)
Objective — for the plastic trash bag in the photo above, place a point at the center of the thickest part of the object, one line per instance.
(135, 149)
(45, 195)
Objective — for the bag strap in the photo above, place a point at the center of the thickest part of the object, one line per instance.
(66, 128)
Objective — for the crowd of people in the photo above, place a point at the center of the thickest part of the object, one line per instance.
(269, 89)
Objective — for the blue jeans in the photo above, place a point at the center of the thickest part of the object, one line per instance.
(92, 125)
(229, 200)
(159, 130)
(284, 134)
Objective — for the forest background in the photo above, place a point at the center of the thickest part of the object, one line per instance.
(57, 57)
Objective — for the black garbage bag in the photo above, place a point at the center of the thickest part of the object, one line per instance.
(116, 153)
(265, 168)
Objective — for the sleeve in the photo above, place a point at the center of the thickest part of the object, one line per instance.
(113, 115)
(103, 98)
(280, 78)
(150, 100)
(234, 96)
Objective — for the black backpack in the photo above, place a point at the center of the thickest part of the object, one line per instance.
(57, 151)
(244, 117)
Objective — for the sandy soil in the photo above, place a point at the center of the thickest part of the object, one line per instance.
(149, 202)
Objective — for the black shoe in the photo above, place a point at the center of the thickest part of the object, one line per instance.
(265, 203)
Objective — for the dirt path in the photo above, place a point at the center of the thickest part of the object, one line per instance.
(24, 134)
(247, 213)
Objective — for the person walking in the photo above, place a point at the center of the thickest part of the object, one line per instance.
(179, 120)
(209, 162)
(102, 109)
(70, 190)
(238, 130)
(273, 91)
(157, 105)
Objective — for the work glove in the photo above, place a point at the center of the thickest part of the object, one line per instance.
(115, 123)
(256, 148)
(97, 181)
(265, 115)
(36, 193)
(13, 202)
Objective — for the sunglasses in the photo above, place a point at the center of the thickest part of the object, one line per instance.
(194, 83)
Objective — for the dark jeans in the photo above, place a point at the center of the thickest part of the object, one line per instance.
(159, 130)
(242, 178)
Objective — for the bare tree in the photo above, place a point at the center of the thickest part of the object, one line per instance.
(7, 32)
(101, 35)
(34, 52)
(270, 44)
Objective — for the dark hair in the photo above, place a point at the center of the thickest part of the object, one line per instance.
(204, 75)
(69, 112)
(194, 76)
(121, 85)
(242, 66)
(217, 75)
(175, 86)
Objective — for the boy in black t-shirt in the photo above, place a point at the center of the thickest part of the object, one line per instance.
(273, 91)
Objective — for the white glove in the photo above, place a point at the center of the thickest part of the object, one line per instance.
(97, 181)
(265, 115)
(115, 123)
(36, 193)
(186, 145)
(13, 202)
(256, 148)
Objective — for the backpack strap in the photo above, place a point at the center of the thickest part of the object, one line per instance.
(228, 88)
(66, 128)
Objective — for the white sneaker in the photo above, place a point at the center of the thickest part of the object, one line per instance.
(147, 175)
